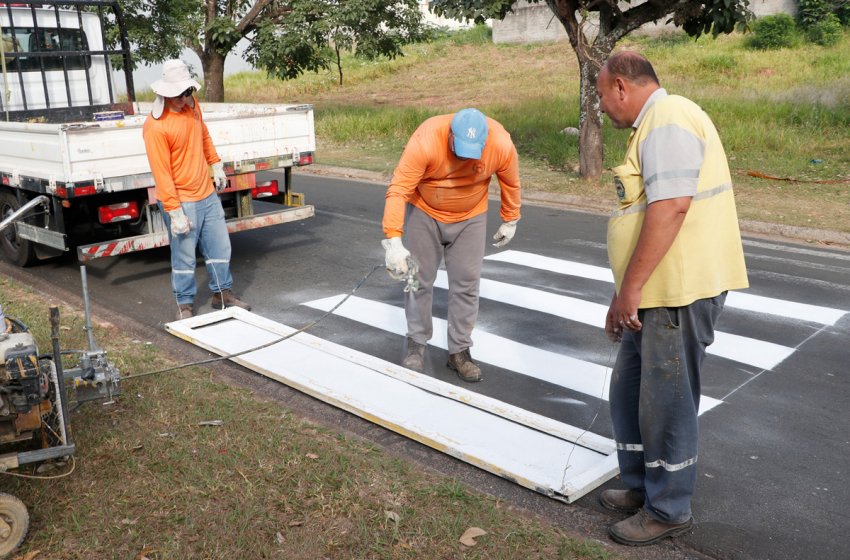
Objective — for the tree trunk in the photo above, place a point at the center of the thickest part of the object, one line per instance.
(591, 147)
(591, 55)
(213, 64)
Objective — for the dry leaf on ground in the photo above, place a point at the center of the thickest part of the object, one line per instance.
(468, 537)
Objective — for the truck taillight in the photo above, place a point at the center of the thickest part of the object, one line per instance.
(263, 190)
(118, 212)
(305, 159)
(83, 190)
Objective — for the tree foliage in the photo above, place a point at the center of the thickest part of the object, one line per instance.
(594, 27)
(315, 33)
(286, 37)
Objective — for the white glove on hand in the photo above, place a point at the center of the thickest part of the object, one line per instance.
(219, 178)
(505, 233)
(180, 223)
(396, 258)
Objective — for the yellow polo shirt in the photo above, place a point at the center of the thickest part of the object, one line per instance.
(675, 151)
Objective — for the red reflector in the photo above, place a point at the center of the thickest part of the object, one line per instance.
(61, 192)
(305, 159)
(83, 190)
(263, 190)
(118, 212)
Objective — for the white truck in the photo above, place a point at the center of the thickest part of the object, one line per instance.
(64, 134)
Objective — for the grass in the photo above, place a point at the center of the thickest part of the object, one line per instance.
(152, 482)
(784, 113)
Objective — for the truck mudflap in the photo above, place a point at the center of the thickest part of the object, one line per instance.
(160, 239)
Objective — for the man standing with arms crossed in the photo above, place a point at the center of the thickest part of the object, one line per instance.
(180, 152)
(675, 249)
(441, 184)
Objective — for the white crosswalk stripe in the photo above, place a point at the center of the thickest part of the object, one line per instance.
(759, 353)
(558, 369)
(741, 300)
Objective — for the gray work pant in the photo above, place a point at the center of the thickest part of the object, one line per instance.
(654, 399)
(462, 246)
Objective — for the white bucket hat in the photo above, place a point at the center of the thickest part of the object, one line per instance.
(175, 80)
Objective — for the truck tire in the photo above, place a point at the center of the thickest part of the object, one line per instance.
(14, 523)
(19, 251)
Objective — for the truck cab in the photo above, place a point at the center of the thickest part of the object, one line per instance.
(55, 61)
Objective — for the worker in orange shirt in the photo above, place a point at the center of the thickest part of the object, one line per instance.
(438, 199)
(181, 155)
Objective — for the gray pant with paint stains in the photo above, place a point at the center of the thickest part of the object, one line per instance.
(654, 399)
(462, 246)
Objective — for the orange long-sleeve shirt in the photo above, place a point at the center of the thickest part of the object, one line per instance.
(449, 189)
(180, 152)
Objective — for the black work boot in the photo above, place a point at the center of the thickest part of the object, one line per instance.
(415, 358)
(225, 298)
(466, 369)
(185, 310)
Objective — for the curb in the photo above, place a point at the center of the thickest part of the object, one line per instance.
(794, 234)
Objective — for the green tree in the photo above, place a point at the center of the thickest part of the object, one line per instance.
(286, 37)
(593, 28)
(314, 34)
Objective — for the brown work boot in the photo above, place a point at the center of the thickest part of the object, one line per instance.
(225, 298)
(415, 358)
(641, 529)
(466, 369)
(184, 311)
(624, 501)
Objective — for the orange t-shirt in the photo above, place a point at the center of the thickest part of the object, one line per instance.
(430, 177)
(180, 152)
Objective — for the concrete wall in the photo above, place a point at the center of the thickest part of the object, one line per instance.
(437, 21)
(530, 23)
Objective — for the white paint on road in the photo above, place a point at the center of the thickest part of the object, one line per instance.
(759, 353)
(559, 369)
(739, 300)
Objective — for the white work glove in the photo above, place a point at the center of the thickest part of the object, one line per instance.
(219, 178)
(505, 233)
(180, 223)
(396, 258)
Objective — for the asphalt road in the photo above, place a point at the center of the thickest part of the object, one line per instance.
(772, 482)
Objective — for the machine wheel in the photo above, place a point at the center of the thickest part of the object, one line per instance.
(19, 251)
(14, 522)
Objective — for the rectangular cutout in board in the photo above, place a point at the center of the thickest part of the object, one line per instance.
(550, 457)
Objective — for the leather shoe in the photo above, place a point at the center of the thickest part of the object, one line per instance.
(415, 358)
(225, 298)
(466, 369)
(184, 311)
(641, 529)
(624, 501)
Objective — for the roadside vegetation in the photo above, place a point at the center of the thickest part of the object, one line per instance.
(183, 466)
(783, 113)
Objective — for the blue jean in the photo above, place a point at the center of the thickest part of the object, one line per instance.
(654, 399)
(209, 233)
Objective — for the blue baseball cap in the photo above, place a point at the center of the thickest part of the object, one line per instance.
(469, 127)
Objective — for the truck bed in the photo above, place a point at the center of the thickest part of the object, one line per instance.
(111, 154)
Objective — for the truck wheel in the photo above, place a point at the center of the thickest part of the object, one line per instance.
(19, 251)
(14, 523)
